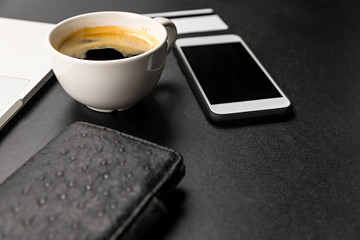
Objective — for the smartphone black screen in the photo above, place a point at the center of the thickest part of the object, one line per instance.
(228, 73)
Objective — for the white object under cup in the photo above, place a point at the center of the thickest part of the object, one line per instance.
(111, 85)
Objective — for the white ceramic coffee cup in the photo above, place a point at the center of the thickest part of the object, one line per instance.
(111, 85)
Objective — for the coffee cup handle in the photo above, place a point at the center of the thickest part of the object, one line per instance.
(171, 31)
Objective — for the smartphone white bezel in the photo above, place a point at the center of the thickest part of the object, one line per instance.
(257, 107)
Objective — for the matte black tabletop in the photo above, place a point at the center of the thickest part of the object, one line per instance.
(290, 178)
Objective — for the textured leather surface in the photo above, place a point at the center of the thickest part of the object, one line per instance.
(88, 183)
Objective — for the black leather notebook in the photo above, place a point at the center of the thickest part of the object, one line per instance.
(89, 182)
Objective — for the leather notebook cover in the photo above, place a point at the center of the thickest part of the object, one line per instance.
(89, 182)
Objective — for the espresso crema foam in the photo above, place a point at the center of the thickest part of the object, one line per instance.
(127, 41)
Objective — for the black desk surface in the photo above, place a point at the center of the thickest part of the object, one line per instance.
(292, 178)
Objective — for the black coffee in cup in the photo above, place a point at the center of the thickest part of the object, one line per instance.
(106, 43)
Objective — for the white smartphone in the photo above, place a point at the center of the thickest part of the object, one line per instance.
(227, 78)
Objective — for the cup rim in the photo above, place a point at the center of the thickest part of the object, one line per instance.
(87, 61)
